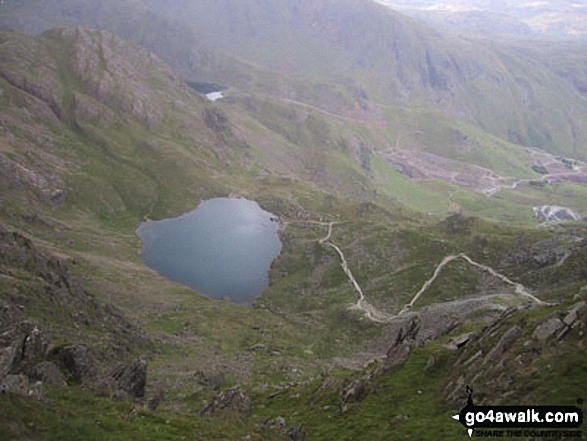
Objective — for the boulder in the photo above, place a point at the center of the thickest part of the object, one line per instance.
(48, 373)
(7, 355)
(573, 313)
(547, 329)
(297, 433)
(34, 346)
(19, 384)
(132, 379)
(459, 341)
(79, 361)
(276, 424)
(21, 347)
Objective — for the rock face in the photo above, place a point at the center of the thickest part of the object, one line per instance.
(232, 399)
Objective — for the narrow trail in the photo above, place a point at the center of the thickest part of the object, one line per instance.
(362, 304)
(520, 289)
(380, 317)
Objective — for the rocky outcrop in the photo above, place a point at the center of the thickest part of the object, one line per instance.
(55, 288)
(553, 213)
(27, 66)
(117, 73)
(496, 357)
(88, 109)
(23, 349)
(232, 399)
(49, 185)
(28, 358)
(78, 361)
(216, 120)
(405, 341)
(415, 330)
(132, 379)
(354, 392)
(22, 346)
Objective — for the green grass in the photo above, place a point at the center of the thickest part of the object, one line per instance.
(406, 191)
(74, 414)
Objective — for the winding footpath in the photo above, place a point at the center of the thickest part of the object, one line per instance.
(380, 317)
(362, 304)
(520, 289)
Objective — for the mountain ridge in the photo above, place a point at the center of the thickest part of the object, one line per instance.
(363, 52)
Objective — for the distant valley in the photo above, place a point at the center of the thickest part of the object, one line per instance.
(550, 19)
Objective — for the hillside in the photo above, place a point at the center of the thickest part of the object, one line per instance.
(98, 134)
(361, 51)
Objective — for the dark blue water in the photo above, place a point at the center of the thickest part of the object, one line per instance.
(224, 248)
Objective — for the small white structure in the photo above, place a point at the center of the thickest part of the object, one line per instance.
(213, 96)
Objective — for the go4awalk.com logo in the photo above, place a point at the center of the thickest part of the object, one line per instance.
(520, 421)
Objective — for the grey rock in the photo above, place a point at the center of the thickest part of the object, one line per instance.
(459, 341)
(474, 358)
(405, 341)
(9, 314)
(276, 424)
(297, 433)
(48, 373)
(353, 392)
(573, 313)
(7, 355)
(431, 362)
(232, 399)
(79, 361)
(21, 347)
(34, 346)
(132, 379)
(258, 347)
(503, 344)
(547, 329)
(19, 384)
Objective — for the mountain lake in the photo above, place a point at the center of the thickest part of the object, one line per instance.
(223, 249)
